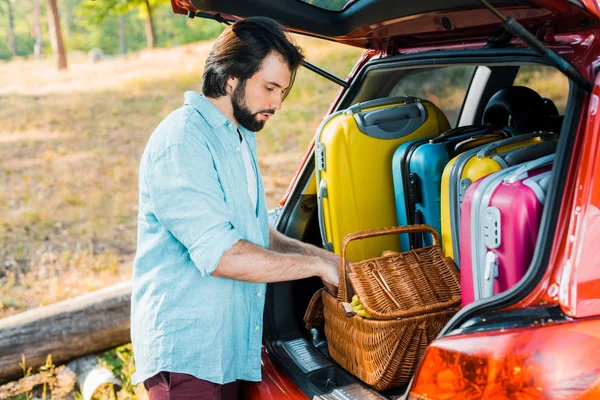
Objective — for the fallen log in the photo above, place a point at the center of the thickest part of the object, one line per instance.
(69, 329)
(60, 381)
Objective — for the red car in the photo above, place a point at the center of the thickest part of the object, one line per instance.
(541, 338)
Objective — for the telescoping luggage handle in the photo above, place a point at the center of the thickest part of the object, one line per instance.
(492, 148)
(522, 171)
(384, 101)
(466, 129)
(342, 289)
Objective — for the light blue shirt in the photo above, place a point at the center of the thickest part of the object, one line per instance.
(194, 206)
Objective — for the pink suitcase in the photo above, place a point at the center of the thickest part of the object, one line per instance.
(499, 227)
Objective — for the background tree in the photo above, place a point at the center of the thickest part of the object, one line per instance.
(36, 29)
(150, 32)
(56, 38)
(123, 34)
(88, 24)
(6, 7)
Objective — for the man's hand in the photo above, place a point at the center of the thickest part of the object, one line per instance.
(330, 274)
(334, 258)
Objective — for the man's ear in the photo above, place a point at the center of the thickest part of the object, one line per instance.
(232, 83)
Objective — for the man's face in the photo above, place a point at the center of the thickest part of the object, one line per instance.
(255, 100)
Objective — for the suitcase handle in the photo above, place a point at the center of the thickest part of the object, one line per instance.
(531, 152)
(492, 148)
(471, 142)
(466, 129)
(342, 289)
(358, 107)
(391, 122)
(521, 171)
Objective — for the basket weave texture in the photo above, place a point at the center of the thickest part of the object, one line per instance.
(410, 295)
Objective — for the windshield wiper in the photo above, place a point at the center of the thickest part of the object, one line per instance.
(516, 29)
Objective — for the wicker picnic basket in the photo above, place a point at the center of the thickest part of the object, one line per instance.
(410, 295)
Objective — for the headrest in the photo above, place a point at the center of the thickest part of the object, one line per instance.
(517, 106)
(550, 107)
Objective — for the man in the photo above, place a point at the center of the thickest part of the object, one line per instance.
(205, 250)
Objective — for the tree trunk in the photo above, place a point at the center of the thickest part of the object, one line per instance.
(56, 35)
(12, 44)
(122, 34)
(70, 329)
(37, 30)
(150, 34)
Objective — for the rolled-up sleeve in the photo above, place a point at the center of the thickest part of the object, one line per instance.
(188, 200)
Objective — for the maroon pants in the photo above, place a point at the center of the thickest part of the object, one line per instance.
(175, 386)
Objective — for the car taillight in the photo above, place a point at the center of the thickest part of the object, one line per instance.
(553, 361)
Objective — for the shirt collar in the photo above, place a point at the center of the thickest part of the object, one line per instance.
(211, 114)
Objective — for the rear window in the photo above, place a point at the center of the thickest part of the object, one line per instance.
(445, 87)
(547, 81)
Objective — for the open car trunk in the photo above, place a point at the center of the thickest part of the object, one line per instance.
(303, 353)
(403, 35)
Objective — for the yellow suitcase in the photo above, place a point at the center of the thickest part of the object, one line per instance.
(354, 150)
(474, 164)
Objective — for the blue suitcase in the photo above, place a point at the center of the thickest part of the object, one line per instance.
(417, 168)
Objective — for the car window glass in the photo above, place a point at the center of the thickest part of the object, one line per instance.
(445, 87)
(547, 81)
(331, 5)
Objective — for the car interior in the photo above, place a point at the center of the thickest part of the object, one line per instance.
(485, 90)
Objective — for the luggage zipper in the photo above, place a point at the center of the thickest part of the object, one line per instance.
(322, 184)
(412, 194)
(456, 192)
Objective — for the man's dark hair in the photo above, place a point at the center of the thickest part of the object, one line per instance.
(240, 50)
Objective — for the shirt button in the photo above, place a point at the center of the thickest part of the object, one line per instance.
(258, 294)
(237, 148)
(257, 328)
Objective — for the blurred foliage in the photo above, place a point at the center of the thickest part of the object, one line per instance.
(89, 24)
(121, 363)
(97, 11)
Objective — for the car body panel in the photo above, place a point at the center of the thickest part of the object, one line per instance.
(400, 24)
(275, 384)
(574, 279)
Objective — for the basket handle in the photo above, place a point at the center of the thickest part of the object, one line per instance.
(342, 289)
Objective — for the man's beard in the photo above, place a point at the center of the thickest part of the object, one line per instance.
(241, 112)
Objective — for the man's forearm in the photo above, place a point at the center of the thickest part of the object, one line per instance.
(280, 243)
(248, 262)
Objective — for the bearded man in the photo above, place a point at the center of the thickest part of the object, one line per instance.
(205, 250)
